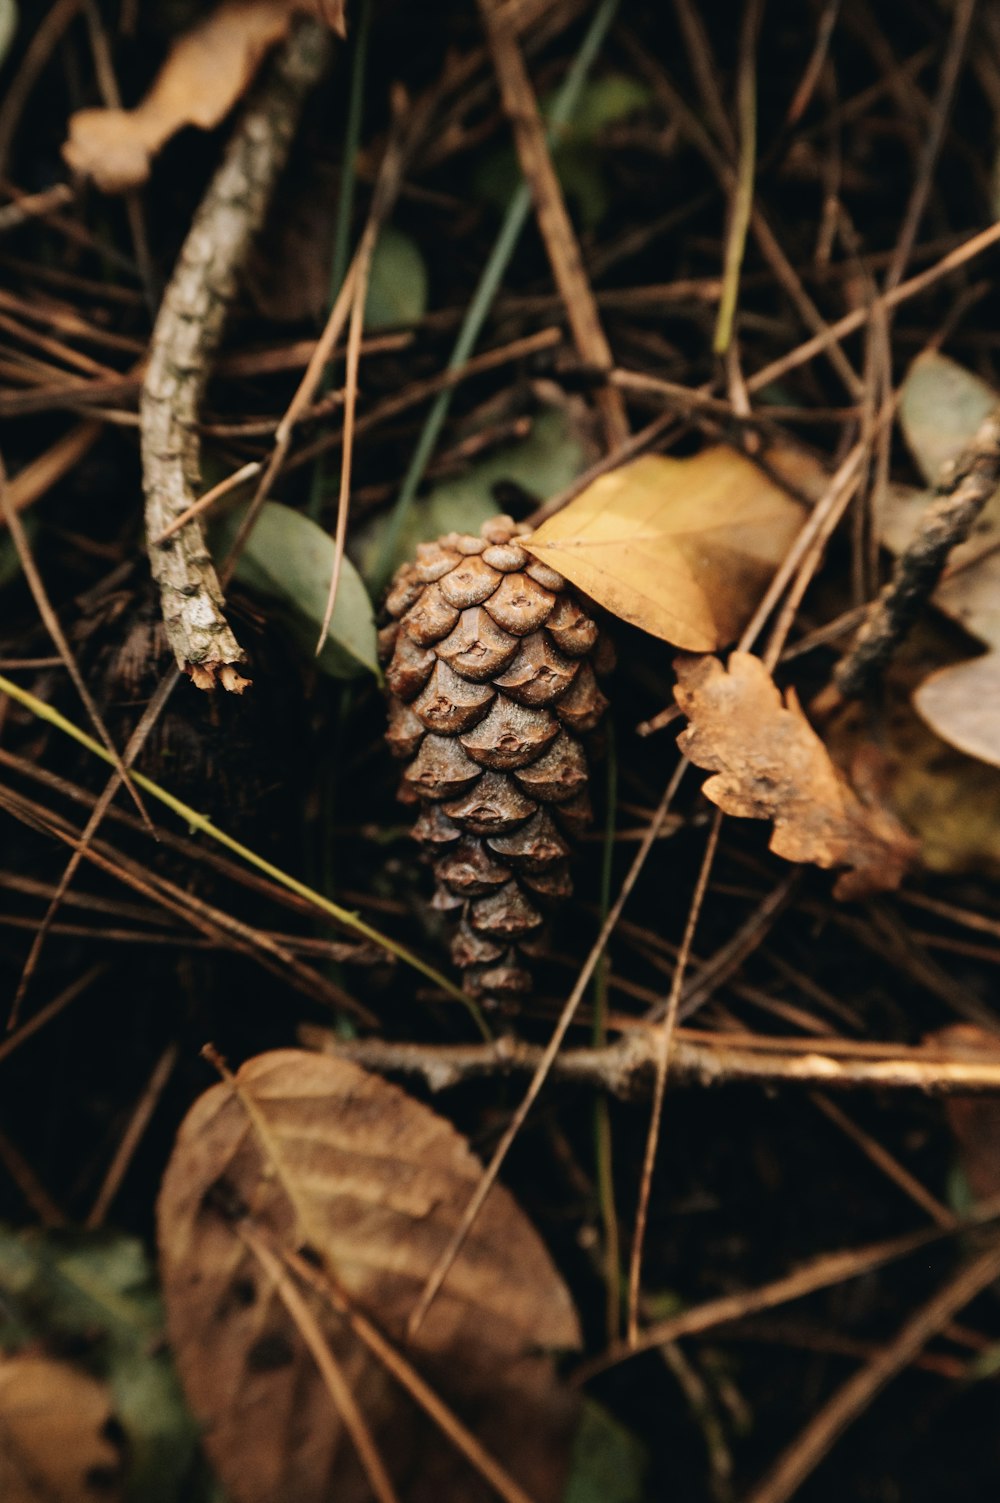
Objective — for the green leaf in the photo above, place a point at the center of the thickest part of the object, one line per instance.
(289, 560)
(95, 1292)
(545, 462)
(940, 409)
(8, 26)
(603, 102)
(609, 1462)
(397, 285)
(986, 1364)
(576, 152)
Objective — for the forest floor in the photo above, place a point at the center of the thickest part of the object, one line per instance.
(762, 1166)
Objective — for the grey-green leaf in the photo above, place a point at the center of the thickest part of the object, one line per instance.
(548, 460)
(941, 407)
(397, 284)
(8, 26)
(288, 560)
(95, 1292)
(609, 1462)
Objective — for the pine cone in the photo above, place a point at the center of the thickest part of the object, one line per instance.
(491, 677)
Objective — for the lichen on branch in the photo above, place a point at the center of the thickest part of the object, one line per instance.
(185, 338)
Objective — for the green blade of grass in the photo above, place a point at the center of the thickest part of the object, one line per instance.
(486, 290)
(201, 822)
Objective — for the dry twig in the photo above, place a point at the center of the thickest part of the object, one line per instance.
(962, 491)
(627, 1068)
(850, 1401)
(554, 222)
(185, 338)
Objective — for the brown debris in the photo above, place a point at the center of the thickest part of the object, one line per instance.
(56, 1442)
(770, 764)
(305, 1151)
(206, 72)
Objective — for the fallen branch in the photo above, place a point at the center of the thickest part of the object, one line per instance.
(187, 334)
(962, 491)
(627, 1068)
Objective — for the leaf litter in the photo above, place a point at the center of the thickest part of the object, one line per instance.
(682, 548)
(715, 616)
(769, 763)
(94, 1294)
(207, 70)
(54, 1440)
(310, 1151)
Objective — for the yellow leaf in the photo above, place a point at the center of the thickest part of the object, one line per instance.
(682, 548)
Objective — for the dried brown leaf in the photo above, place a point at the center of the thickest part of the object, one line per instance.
(770, 764)
(54, 1445)
(206, 72)
(682, 548)
(310, 1151)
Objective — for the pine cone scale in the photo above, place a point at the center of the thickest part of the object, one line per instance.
(491, 668)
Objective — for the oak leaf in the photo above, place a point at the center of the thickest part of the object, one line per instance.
(682, 548)
(205, 73)
(54, 1435)
(304, 1151)
(769, 763)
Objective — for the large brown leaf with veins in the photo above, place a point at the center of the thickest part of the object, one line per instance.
(306, 1153)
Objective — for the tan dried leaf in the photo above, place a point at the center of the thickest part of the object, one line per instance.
(206, 72)
(54, 1445)
(770, 764)
(311, 1152)
(682, 548)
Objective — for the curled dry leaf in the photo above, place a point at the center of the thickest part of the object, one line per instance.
(682, 548)
(54, 1435)
(206, 72)
(941, 408)
(974, 1120)
(770, 764)
(305, 1151)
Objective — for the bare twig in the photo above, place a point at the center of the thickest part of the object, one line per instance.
(819, 1273)
(962, 492)
(556, 228)
(627, 1067)
(331, 1373)
(133, 1134)
(46, 36)
(52, 1009)
(858, 317)
(185, 338)
(665, 1035)
(741, 199)
(850, 1401)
